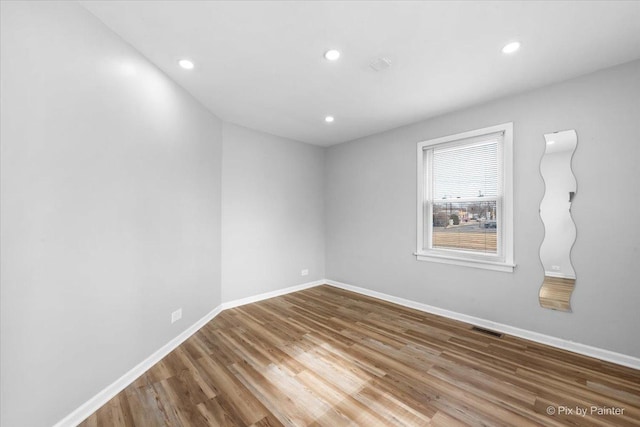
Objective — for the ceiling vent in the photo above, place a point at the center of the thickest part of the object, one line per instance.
(380, 64)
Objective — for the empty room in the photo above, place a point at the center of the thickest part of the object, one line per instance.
(319, 213)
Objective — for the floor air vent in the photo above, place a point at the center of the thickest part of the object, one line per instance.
(487, 332)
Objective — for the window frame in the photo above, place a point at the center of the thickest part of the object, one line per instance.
(504, 259)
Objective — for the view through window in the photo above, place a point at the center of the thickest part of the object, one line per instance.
(465, 198)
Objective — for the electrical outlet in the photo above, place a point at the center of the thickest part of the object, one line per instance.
(304, 272)
(176, 315)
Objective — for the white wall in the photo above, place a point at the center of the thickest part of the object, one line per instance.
(370, 220)
(117, 208)
(110, 205)
(272, 213)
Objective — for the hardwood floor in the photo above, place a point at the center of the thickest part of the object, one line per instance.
(328, 357)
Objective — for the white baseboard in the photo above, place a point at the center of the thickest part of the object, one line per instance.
(267, 295)
(93, 404)
(587, 350)
(97, 401)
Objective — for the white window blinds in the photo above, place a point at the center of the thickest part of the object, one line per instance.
(465, 199)
(466, 170)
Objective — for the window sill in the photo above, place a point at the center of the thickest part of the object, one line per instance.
(466, 262)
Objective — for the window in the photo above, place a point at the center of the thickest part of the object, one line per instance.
(465, 199)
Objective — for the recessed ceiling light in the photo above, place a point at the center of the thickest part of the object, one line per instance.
(186, 64)
(511, 47)
(329, 119)
(332, 55)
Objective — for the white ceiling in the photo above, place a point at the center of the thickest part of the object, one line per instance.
(260, 63)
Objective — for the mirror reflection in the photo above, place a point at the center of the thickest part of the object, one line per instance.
(555, 211)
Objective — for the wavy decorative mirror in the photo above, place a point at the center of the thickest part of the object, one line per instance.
(555, 211)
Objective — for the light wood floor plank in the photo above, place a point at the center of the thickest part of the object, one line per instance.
(328, 357)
